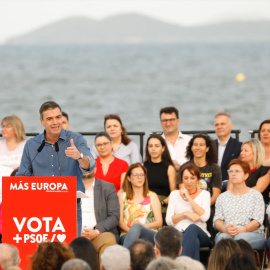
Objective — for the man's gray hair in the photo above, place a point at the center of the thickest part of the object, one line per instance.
(223, 113)
(162, 263)
(169, 241)
(75, 264)
(115, 257)
(9, 256)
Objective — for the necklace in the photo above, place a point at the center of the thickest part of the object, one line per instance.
(193, 192)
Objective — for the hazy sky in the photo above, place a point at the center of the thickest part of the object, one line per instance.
(21, 16)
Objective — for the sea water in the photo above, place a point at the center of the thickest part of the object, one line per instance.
(135, 81)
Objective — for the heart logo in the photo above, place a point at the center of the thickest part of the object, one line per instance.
(61, 237)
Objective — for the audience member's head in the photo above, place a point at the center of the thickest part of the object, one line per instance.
(75, 264)
(246, 247)
(162, 263)
(186, 263)
(220, 254)
(13, 122)
(141, 254)
(50, 255)
(66, 124)
(115, 257)
(241, 261)
(168, 242)
(9, 256)
(223, 125)
(84, 249)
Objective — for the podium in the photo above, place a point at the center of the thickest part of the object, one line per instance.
(38, 209)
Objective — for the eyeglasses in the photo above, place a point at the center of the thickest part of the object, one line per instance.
(234, 171)
(138, 175)
(6, 126)
(171, 120)
(102, 145)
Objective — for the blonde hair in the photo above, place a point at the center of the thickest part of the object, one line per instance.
(258, 152)
(17, 124)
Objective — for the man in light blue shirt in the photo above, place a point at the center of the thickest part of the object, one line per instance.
(57, 152)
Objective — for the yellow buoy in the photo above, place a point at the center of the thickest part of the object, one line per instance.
(240, 77)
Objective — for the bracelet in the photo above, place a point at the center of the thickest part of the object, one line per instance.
(97, 231)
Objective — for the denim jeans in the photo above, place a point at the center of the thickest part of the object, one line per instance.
(79, 219)
(194, 238)
(137, 231)
(256, 240)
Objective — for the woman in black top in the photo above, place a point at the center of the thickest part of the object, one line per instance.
(161, 173)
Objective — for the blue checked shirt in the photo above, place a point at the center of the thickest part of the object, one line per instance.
(46, 162)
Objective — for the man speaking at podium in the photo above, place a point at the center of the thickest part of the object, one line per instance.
(57, 152)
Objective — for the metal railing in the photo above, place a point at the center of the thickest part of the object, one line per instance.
(252, 132)
(236, 132)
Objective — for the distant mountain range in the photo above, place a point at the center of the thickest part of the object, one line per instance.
(135, 28)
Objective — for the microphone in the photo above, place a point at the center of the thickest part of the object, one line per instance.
(38, 151)
(57, 150)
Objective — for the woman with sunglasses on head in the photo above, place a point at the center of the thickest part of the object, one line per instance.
(252, 152)
(188, 210)
(240, 210)
(109, 168)
(140, 209)
(161, 173)
(122, 146)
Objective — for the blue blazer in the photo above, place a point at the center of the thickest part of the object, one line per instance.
(232, 151)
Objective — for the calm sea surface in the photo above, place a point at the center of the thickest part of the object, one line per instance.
(135, 81)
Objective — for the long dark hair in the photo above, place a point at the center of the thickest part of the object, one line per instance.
(211, 155)
(166, 157)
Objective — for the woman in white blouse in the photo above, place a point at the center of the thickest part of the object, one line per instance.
(188, 211)
(122, 146)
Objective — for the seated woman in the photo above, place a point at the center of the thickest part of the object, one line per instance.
(253, 153)
(161, 173)
(240, 210)
(188, 211)
(122, 146)
(109, 168)
(140, 209)
(264, 137)
(201, 151)
(11, 149)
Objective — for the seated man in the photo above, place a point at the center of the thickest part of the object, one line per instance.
(168, 242)
(66, 124)
(100, 213)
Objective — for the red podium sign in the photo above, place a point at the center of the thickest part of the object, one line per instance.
(38, 209)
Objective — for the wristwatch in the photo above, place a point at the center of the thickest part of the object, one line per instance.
(163, 203)
(81, 156)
